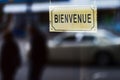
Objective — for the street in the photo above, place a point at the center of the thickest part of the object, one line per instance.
(95, 73)
(52, 73)
(73, 73)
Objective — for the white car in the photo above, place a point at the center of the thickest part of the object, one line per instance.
(102, 47)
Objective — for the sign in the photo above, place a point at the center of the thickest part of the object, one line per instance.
(72, 18)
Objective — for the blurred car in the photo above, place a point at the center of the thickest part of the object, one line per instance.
(102, 47)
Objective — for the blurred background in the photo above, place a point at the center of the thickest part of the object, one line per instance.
(72, 56)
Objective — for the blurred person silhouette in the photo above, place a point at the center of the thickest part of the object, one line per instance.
(10, 54)
(38, 53)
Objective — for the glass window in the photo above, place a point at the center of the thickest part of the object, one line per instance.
(69, 39)
(88, 38)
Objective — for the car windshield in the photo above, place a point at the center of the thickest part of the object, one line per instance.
(109, 35)
(106, 34)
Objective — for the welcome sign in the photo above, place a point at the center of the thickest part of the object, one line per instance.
(72, 18)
